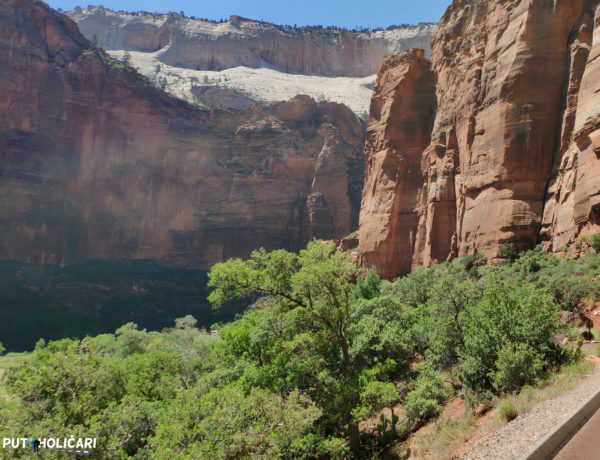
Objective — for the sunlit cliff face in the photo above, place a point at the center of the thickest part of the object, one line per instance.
(510, 150)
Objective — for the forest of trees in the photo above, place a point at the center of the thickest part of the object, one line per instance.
(321, 348)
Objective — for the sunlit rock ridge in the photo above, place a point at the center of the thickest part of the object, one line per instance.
(261, 61)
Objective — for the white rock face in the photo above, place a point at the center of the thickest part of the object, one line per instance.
(262, 84)
(261, 61)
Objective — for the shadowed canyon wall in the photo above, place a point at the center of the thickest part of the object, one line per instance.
(509, 151)
(95, 162)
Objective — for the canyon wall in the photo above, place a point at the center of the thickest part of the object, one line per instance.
(508, 153)
(97, 162)
(572, 207)
(198, 44)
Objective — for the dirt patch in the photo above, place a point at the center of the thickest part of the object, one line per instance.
(454, 409)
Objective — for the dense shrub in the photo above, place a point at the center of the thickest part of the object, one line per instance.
(314, 355)
(517, 365)
(507, 315)
(427, 399)
(368, 287)
(595, 242)
(507, 251)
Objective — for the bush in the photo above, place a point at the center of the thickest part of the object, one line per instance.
(368, 287)
(426, 400)
(516, 366)
(508, 412)
(507, 251)
(449, 307)
(534, 266)
(473, 272)
(523, 316)
(415, 288)
(595, 242)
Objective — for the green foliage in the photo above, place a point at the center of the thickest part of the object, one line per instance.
(507, 315)
(113, 387)
(368, 287)
(2, 349)
(473, 272)
(571, 281)
(426, 400)
(595, 242)
(378, 395)
(320, 349)
(301, 337)
(517, 365)
(452, 299)
(415, 288)
(226, 423)
(508, 411)
(507, 251)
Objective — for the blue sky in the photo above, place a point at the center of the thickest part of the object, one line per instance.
(345, 13)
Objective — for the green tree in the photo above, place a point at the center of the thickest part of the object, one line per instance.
(452, 297)
(595, 242)
(507, 251)
(517, 365)
(318, 281)
(508, 315)
(368, 286)
(312, 291)
(126, 59)
(427, 399)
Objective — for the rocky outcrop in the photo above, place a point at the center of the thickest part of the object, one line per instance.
(398, 132)
(97, 162)
(516, 95)
(210, 96)
(199, 44)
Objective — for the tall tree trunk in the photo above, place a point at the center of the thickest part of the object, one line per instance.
(354, 436)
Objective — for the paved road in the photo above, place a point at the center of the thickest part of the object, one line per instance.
(585, 445)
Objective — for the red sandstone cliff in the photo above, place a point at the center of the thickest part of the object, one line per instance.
(572, 207)
(399, 127)
(96, 162)
(509, 154)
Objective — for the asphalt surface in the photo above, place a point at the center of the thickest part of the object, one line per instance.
(585, 445)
